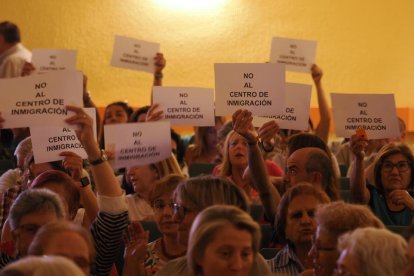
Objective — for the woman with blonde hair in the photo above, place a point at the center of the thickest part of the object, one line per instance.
(142, 178)
(224, 240)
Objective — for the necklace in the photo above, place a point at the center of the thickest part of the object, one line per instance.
(170, 257)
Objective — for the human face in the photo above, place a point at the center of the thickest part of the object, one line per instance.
(72, 246)
(300, 221)
(395, 173)
(211, 137)
(184, 215)
(237, 151)
(323, 253)
(163, 209)
(347, 265)
(229, 253)
(295, 168)
(29, 224)
(142, 178)
(115, 114)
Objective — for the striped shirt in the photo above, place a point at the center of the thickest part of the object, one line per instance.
(286, 262)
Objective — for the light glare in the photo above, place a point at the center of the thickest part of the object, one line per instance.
(190, 5)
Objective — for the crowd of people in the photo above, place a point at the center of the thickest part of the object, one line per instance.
(82, 217)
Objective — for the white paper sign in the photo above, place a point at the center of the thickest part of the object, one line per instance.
(373, 112)
(50, 60)
(134, 54)
(259, 88)
(49, 141)
(40, 100)
(138, 143)
(186, 106)
(296, 113)
(297, 54)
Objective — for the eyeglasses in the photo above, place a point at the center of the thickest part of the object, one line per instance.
(180, 211)
(401, 166)
(160, 205)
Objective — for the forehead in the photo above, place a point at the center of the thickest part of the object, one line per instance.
(298, 157)
(303, 202)
(395, 157)
(115, 108)
(323, 235)
(39, 218)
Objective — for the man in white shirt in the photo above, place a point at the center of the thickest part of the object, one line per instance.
(13, 54)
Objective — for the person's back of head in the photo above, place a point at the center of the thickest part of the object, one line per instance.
(375, 251)
(10, 32)
(40, 266)
(306, 140)
(318, 161)
(340, 217)
(204, 191)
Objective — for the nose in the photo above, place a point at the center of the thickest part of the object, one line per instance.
(168, 210)
(395, 170)
(306, 218)
(286, 178)
(236, 262)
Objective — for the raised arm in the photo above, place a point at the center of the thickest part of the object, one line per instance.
(160, 63)
(106, 183)
(242, 124)
(359, 190)
(322, 129)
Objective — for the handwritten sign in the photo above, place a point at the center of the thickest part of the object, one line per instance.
(138, 143)
(259, 88)
(134, 54)
(296, 113)
(49, 141)
(186, 106)
(50, 60)
(297, 54)
(373, 112)
(39, 100)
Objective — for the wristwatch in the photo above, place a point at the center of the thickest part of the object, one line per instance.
(84, 182)
(100, 160)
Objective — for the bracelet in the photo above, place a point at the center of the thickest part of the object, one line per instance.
(267, 149)
(158, 76)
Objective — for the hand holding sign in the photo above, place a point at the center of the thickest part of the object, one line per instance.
(358, 145)
(242, 124)
(72, 164)
(153, 115)
(85, 131)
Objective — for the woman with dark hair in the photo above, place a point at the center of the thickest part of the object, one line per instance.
(115, 113)
(390, 198)
(296, 225)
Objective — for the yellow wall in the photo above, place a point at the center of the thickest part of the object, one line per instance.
(363, 46)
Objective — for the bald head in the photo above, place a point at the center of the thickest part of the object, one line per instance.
(311, 165)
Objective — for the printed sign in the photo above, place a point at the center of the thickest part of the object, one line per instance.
(186, 106)
(48, 141)
(50, 60)
(138, 143)
(296, 113)
(373, 112)
(40, 100)
(259, 88)
(134, 54)
(297, 54)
